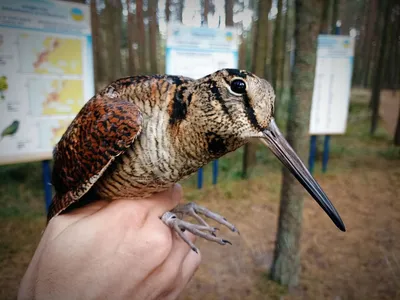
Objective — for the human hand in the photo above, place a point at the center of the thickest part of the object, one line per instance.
(116, 250)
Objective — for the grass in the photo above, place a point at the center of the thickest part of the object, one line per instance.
(361, 168)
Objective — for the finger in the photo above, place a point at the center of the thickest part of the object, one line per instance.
(180, 248)
(165, 276)
(166, 201)
(189, 267)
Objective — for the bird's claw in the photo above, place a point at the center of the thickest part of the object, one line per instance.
(191, 209)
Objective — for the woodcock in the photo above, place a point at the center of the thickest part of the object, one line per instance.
(141, 134)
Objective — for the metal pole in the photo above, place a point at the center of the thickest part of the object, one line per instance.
(313, 152)
(200, 178)
(325, 156)
(47, 183)
(215, 171)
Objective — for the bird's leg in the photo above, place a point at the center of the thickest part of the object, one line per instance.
(191, 209)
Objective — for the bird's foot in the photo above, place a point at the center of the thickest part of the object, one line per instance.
(174, 219)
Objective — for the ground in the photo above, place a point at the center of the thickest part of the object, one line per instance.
(363, 182)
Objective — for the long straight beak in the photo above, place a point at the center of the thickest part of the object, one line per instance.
(277, 143)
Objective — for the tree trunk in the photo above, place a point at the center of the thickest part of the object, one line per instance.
(229, 13)
(387, 60)
(360, 59)
(96, 40)
(286, 263)
(258, 67)
(396, 63)
(206, 10)
(324, 27)
(276, 50)
(167, 10)
(118, 37)
(280, 102)
(112, 39)
(131, 39)
(261, 38)
(376, 89)
(181, 4)
(371, 25)
(141, 37)
(242, 53)
(115, 22)
(335, 15)
(397, 132)
(153, 32)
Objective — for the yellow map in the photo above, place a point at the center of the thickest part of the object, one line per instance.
(67, 96)
(55, 97)
(51, 55)
(58, 131)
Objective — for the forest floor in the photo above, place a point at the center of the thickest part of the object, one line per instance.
(363, 182)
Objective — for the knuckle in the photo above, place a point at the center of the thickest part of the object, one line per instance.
(198, 260)
(126, 212)
(160, 243)
(177, 193)
(57, 224)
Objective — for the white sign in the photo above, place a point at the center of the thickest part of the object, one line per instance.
(46, 74)
(332, 84)
(198, 51)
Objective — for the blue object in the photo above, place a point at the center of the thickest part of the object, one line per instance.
(337, 28)
(215, 171)
(325, 156)
(313, 152)
(47, 183)
(200, 178)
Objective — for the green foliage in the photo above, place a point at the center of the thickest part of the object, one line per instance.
(21, 190)
(271, 288)
(391, 153)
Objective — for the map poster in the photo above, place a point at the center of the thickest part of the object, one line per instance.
(198, 51)
(332, 84)
(46, 74)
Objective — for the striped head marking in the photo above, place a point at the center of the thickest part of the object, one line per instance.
(236, 102)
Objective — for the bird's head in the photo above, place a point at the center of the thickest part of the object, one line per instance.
(239, 106)
(236, 103)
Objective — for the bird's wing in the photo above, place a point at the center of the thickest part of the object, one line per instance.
(103, 130)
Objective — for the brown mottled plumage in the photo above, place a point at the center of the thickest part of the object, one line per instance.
(142, 134)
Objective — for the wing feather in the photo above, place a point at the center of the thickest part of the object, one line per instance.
(104, 128)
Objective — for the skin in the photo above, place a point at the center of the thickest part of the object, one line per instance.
(131, 255)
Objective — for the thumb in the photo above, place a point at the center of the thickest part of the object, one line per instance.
(165, 201)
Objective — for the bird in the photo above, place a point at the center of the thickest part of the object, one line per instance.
(10, 130)
(3, 86)
(141, 134)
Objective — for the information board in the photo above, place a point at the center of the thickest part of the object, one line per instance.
(332, 84)
(46, 74)
(198, 51)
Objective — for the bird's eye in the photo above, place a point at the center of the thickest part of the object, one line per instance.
(238, 86)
